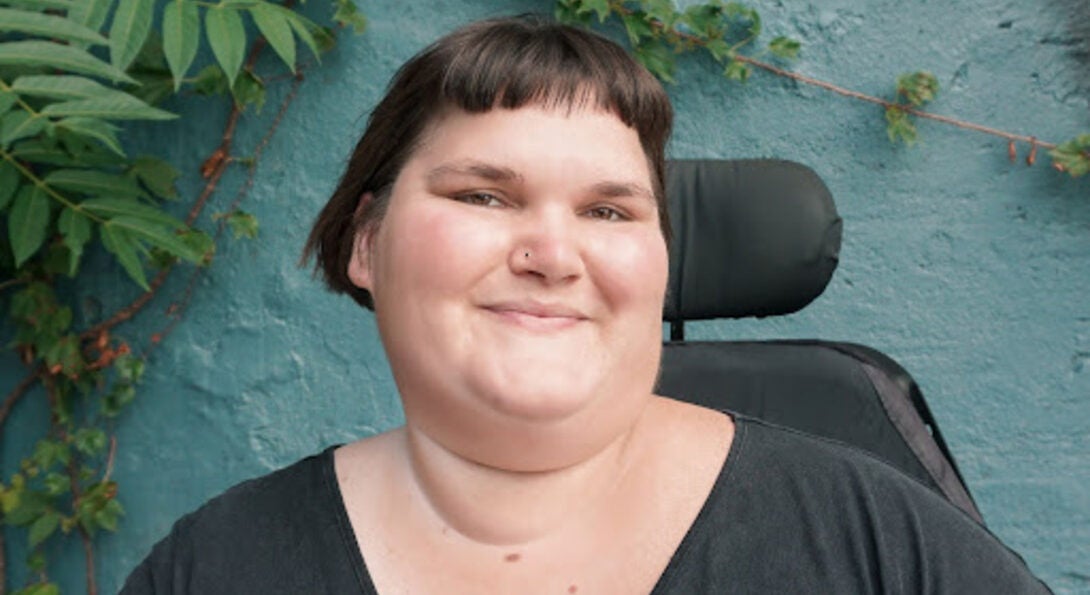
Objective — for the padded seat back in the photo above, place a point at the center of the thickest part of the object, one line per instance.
(762, 238)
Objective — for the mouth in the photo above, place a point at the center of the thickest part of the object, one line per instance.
(537, 316)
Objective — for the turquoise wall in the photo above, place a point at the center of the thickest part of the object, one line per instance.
(972, 271)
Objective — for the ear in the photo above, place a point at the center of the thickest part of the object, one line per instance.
(359, 265)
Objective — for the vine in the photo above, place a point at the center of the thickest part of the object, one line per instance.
(70, 72)
(728, 32)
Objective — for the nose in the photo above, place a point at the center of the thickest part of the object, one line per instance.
(546, 247)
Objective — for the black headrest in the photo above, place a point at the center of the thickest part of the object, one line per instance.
(752, 237)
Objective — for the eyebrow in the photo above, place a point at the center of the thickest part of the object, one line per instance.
(497, 173)
(478, 169)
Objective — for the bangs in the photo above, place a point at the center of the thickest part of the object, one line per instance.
(522, 64)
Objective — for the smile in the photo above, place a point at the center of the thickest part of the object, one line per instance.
(536, 316)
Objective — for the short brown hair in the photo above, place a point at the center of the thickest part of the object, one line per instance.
(506, 63)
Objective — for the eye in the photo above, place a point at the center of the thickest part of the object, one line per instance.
(483, 199)
(606, 214)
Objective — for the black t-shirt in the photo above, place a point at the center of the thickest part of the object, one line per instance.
(789, 513)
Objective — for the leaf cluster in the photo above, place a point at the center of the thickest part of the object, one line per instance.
(658, 31)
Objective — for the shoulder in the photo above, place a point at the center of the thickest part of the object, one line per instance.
(825, 516)
(262, 535)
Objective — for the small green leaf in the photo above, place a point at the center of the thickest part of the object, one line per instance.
(899, 126)
(917, 88)
(1073, 156)
(348, 14)
(210, 81)
(9, 182)
(637, 27)
(277, 32)
(55, 484)
(181, 36)
(67, 5)
(19, 124)
(46, 25)
(76, 229)
(117, 242)
(62, 57)
(114, 107)
(94, 182)
(248, 90)
(243, 224)
(132, 23)
(102, 131)
(157, 175)
(227, 37)
(41, 529)
(737, 70)
(27, 223)
(657, 58)
(90, 441)
(784, 47)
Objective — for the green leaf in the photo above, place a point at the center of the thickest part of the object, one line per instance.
(9, 182)
(784, 47)
(18, 124)
(705, 20)
(243, 224)
(109, 208)
(27, 223)
(657, 58)
(7, 99)
(899, 126)
(62, 57)
(210, 81)
(917, 88)
(156, 235)
(181, 37)
(637, 27)
(303, 27)
(95, 182)
(1073, 156)
(99, 130)
(348, 14)
(40, 589)
(55, 484)
(132, 22)
(66, 5)
(42, 528)
(227, 37)
(249, 89)
(157, 175)
(277, 32)
(89, 441)
(91, 13)
(117, 242)
(115, 107)
(60, 86)
(46, 25)
(76, 229)
(737, 70)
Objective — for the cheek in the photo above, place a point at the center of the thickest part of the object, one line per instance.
(632, 269)
(436, 251)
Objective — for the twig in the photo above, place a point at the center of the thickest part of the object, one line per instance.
(885, 103)
(14, 396)
(695, 40)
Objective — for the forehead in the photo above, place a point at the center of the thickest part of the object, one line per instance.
(534, 137)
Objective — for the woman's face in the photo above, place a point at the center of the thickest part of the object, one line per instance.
(518, 279)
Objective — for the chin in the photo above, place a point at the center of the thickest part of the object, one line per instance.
(548, 403)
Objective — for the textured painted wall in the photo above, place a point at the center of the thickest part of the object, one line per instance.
(973, 272)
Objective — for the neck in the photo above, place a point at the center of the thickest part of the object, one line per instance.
(496, 506)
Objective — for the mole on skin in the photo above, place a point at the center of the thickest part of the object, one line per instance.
(514, 557)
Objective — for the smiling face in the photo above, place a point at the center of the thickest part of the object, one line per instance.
(518, 279)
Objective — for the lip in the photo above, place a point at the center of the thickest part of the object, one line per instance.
(536, 315)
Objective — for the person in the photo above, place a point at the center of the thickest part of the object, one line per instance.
(504, 216)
